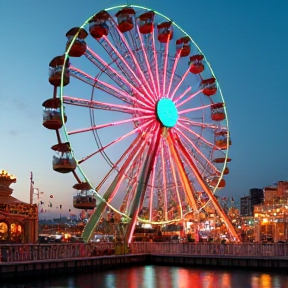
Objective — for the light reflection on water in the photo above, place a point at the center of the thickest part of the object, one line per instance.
(159, 277)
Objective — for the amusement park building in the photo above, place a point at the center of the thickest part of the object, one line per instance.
(18, 220)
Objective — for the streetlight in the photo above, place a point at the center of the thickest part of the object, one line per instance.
(38, 193)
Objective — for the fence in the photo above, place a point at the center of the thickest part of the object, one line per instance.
(34, 252)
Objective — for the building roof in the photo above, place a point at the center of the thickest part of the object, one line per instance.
(10, 200)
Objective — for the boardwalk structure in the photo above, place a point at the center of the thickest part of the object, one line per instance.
(25, 260)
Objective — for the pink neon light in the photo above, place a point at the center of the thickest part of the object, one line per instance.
(117, 140)
(180, 82)
(187, 99)
(198, 151)
(197, 135)
(198, 124)
(209, 193)
(152, 190)
(134, 59)
(164, 179)
(175, 179)
(103, 83)
(156, 64)
(165, 66)
(120, 76)
(194, 109)
(129, 68)
(135, 142)
(124, 167)
(182, 95)
(109, 125)
(147, 64)
(173, 72)
(89, 103)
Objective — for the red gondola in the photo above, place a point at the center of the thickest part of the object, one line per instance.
(64, 162)
(85, 198)
(183, 46)
(217, 111)
(55, 71)
(97, 25)
(125, 19)
(51, 115)
(78, 47)
(165, 32)
(146, 22)
(215, 180)
(196, 65)
(221, 160)
(226, 171)
(209, 86)
(220, 138)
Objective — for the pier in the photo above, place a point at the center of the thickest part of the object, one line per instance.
(43, 259)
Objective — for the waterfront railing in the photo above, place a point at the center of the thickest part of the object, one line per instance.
(38, 252)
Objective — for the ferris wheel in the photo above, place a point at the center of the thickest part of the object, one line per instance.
(140, 120)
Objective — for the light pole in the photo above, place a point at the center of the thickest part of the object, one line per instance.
(38, 193)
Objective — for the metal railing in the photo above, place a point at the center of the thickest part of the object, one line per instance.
(35, 252)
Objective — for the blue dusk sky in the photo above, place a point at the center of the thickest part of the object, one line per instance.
(245, 41)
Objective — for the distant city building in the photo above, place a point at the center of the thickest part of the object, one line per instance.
(257, 197)
(248, 202)
(245, 206)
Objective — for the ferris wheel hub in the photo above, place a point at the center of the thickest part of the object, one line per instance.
(167, 112)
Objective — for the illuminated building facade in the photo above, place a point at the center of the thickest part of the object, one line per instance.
(271, 217)
(18, 220)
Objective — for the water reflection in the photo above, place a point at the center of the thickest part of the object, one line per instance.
(159, 277)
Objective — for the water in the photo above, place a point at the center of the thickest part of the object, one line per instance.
(158, 277)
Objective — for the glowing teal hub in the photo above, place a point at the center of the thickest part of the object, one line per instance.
(167, 112)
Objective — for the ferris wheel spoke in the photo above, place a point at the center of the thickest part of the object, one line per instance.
(194, 109)
(97, 127)
(189, 122)
(181, 171)
(165, 56)
(94, 82)
(136, 142)
(180, 82)
(198, 136)
(105, 106)
(117, 140)
(114, 186)
(144, 176)
(164, 179)
(123, 42)
(120, 80)
(133, 181)
(177, 192)
(206, 189)
(188, 98)
(127, 67)
(148, 65)
(176, 60)
(152, 190)
(181, 134)
(154, 61)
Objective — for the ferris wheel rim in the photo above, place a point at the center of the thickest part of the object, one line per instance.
(62, 86)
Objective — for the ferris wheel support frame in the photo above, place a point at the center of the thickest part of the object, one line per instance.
(182, 173)
(111, 191)
(142, 185)
(205, 188)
